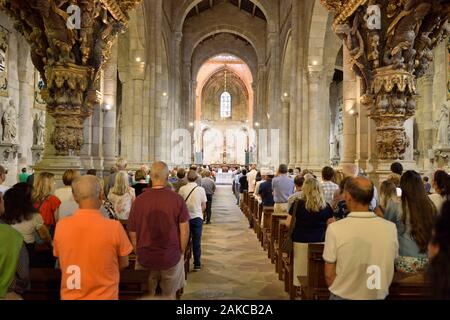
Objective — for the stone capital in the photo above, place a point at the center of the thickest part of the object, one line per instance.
(314, 76)
(388, 55)
(178, 36)
(285, 100)
(70, 61)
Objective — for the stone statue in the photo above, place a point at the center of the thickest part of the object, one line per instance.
(442, 127)
(338, 132)
(9, 122)
(39, 129)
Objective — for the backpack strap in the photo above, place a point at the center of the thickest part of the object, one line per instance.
(190, 193)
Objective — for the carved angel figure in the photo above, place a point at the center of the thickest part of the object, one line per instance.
(401, 35)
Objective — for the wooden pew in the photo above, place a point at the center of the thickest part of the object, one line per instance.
(403, 286)
(260, 226)
(282, 234)
(255, 217)
(409, 287)
(45, 284)
(273, 240)
(243, 203)
(314, 286)
(247, 204)
(267, 224)
(251, 206)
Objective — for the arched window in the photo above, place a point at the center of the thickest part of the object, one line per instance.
(225, 105)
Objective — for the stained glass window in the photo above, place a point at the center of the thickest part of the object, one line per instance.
(225, 105)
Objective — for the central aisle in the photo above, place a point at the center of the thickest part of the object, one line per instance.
(234, 265)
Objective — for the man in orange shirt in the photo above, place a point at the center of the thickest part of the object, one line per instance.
(91, 248)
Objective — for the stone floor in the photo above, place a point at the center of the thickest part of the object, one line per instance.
(234, 266)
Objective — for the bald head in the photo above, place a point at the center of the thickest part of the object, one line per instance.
(159, 173)
(86, 192)
(360, 190)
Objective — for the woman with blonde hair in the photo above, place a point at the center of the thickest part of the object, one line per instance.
(43, 199)
(310, 215)
(122, 195)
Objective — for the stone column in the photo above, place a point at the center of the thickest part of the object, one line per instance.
(261, 101)
(317, 132)
(109, 116)
(389, 47)
(427, 119)
(350, 94)
(138, 117)
(26, 92)
(284, 133)
(70, 62)
(177, 73)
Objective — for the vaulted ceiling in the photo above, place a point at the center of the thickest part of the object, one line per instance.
(245, 5)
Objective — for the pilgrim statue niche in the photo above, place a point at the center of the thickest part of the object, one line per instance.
(3, 62)
(337, 136)
(9, 123)
(442, 127)
(39, 128)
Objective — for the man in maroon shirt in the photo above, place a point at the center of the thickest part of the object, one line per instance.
(159, 231)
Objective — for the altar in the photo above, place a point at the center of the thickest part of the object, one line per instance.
(224, 178)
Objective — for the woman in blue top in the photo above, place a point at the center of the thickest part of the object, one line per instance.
(414, 219)
(312, 215)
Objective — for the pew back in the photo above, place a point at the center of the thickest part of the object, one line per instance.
(403, 286)
(45, 284)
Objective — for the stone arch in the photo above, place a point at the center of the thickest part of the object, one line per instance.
(182, 11)
(221, 45)
(286, 64)
(317, 32)
(236, 87)
(257, 45)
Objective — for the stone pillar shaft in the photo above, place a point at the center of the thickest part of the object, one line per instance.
(284, 133)
(350, 85)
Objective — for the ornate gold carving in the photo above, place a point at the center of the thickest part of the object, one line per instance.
(69, 60)
(343, 9)
(394, 103)
(389, 60)
(4, 43)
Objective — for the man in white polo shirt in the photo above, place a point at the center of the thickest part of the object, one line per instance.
(195, 197)
(360, 250)
(251, 178)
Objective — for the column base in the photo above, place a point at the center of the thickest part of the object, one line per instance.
(379, 170)
(37, 153)
(58, 165)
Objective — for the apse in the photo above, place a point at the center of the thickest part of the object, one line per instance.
(224, 113)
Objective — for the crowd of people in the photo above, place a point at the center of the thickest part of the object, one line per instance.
(399, 228)
(90, 226)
